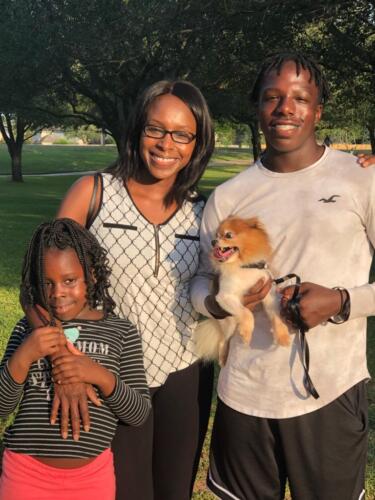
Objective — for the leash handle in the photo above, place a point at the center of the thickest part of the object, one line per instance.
(295, 314)
(305, 351)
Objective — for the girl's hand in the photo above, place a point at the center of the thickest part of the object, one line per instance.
(366, 160)
(42, 342)
(70, 368)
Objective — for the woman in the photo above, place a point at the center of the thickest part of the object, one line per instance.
(147, 217)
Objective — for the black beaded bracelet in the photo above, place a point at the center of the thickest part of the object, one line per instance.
(344, 313)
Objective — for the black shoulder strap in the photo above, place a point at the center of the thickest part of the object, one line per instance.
(92, 213)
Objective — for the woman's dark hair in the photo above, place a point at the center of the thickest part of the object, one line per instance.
(63, 234)
(276, 62)
(187, 179)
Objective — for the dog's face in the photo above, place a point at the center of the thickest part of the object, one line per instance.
(240, 241)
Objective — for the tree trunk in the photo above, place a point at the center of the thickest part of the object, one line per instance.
(13, 131)
(119, 135)
(255, 138)
(102, 137)
(16, 159)
(371, 129)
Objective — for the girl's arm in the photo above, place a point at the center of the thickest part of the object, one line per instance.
(130, 401)
(41, 342)
(11, 391)
(22, 350)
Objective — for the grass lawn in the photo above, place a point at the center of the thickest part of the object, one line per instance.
(24, 205)
(38, 159)
(54, 159)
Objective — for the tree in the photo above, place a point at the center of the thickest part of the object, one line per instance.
(24, 82)
(13, 129)
(105, 52)
(342, 37)
(90, 58)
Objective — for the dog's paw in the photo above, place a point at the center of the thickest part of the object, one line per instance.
(283, 340)
(281, 332)
(223, 353)
(246, 334)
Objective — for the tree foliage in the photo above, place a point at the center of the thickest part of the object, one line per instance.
(86, 61)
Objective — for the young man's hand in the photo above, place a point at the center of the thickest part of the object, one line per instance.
(256, 293)
(252, 297)
(317, 303)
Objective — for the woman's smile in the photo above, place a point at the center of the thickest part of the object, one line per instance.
(163, 157)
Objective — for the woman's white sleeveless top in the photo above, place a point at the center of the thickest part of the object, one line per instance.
(151, 270)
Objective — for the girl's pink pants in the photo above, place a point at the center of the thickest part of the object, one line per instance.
(24, 478)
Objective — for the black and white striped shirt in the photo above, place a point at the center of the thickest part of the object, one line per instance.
(114, 343)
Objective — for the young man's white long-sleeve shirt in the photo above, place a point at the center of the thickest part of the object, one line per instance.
(321, 221)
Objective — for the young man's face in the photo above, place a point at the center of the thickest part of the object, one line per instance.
(288, 109)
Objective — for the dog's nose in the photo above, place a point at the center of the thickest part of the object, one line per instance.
(213, 242)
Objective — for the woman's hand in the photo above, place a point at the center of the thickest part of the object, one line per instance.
(70, 368)
(366, 160)
(71, 399)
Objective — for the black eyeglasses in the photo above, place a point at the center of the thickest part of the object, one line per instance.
(178, 136)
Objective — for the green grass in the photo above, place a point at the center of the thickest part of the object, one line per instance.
(55, 159)
(24, 205)
(38, 159)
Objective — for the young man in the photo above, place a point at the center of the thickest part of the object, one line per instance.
(318, 207)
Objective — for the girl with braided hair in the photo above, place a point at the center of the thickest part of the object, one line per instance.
(65, 276)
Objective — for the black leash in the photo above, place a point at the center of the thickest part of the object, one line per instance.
(293, 312)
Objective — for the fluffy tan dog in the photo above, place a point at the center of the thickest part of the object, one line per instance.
(239, 254)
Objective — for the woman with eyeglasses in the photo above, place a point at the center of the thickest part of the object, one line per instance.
(147, 216)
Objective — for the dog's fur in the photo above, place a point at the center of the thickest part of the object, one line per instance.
(238, 242)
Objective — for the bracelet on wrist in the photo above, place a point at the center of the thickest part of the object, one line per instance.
(344, 313)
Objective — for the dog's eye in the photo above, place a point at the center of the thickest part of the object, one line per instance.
(228, 235)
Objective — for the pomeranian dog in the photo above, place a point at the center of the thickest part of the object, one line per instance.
(239, 254)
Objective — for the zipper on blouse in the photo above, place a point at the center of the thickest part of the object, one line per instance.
(157, 249)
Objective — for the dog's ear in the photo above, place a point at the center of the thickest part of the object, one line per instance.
(254, 223)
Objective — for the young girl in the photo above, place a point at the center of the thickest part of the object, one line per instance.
(65, 270)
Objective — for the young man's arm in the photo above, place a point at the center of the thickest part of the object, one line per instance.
(202, 285)
(318, 303)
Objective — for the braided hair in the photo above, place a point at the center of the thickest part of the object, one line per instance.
(63, 234)
(276, 61)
